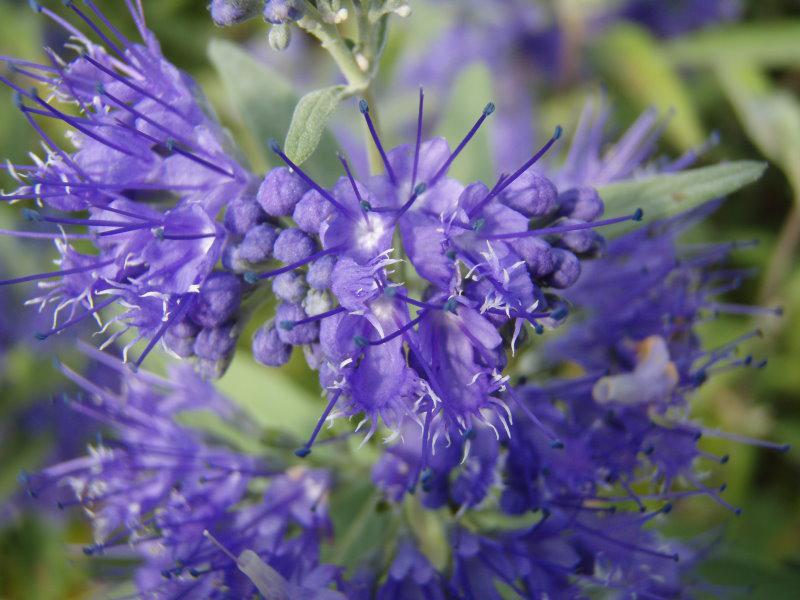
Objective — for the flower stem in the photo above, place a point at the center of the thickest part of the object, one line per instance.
(330, 38)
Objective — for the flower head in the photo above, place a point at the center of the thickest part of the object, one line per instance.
(149, 172)
(475, 262)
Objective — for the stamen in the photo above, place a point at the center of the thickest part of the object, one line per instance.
(509, 180)
(251, 277)
(631, 547)
(95, 28)
(62, 273)
(554, 441)
(32, 215)
(400, 331)
(100, 88)
(73, 122)
(716, 433)
(172, 146)
(125, 81)
(185, 236)
(306, 449)
(73, 321)
(419, 139)
(744, 309)
(488, 110)
(365, 206)
(419, 189)
(185, 302)
(636, 216)
(107, 23)
(289, 325)
(364, 108)
(36, 235)
(273, 144)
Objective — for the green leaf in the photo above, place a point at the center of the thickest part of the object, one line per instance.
(265, 101)
(361, 528)
(773, 44)
(631, 59)
(309, 121)
(770, 116)
(262, 98)
(273, 400)
(663, 196)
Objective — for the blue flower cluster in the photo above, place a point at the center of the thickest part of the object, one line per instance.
(410, 293)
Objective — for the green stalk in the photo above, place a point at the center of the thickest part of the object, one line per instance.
(330, 38)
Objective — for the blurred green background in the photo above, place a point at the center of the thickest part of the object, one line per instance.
(742, 80)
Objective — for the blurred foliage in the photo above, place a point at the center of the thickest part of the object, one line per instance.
(741, 80)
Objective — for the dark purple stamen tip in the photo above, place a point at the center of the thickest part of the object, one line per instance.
(557, 444)
(363, 106)
(638, 214)
(724, 459)
(35, 6)
(273, 145)
(251, 278)
(302, 452)
(287, 325)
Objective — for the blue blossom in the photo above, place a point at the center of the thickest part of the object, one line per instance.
(411, 576)
(383, 354)
(156, 487)
(150, 173)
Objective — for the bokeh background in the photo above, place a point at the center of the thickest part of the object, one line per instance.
(741, 80)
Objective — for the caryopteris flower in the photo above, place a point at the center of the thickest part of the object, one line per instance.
(411, 294)
(416, 331)
(149, 172)
(180, 501)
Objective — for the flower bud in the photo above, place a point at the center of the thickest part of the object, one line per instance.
(230, 12)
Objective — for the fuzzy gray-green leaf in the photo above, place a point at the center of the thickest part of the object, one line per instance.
(310, 118)
(663, 196)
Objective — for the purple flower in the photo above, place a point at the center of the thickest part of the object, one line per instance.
(436, 359)
(153, 489)
(411, 576)
(150, 170)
